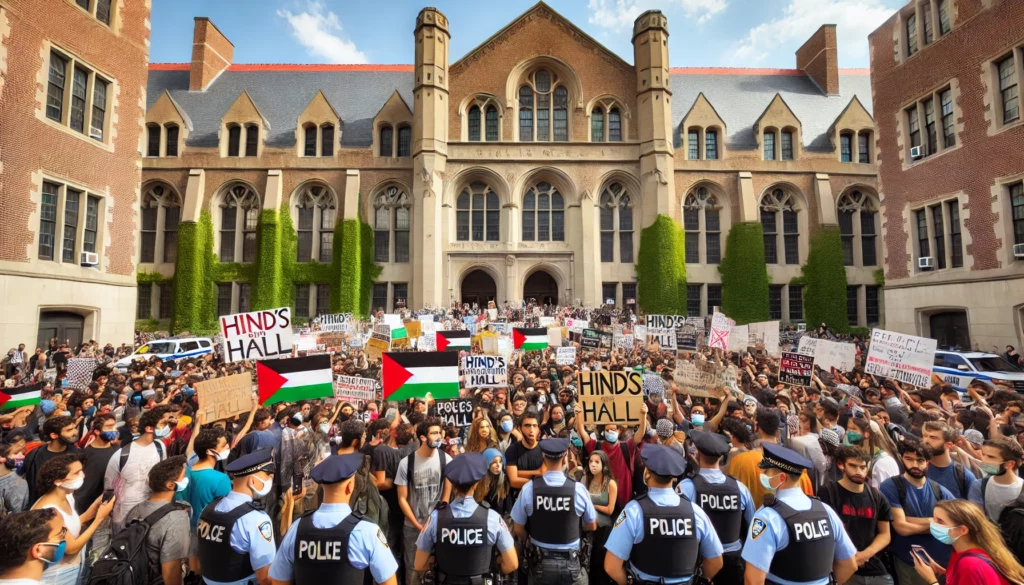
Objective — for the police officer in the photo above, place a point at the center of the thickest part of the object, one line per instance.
(464, 534)
(236, 537)
(548, 510)
(334, 545)
(727, 503)
(796, 540)
(660, 533)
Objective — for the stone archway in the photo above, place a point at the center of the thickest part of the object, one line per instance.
(478, 287)
(542, 287)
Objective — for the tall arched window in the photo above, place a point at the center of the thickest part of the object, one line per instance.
(152, 139)
(616, 201)
(172, 139)
(234, 139)
(477, 214)
(474, 124)
(543, 108)
(597, 124)
(309, 148)
(491, 129)
(391, 222)
(386, 135)
(315, 213)
(239, 217)
(702, 214)
(161, 212)
(327, 140)
(779, 220)
(252, 139)
(858, 216)
(404, 141)
(543, 214)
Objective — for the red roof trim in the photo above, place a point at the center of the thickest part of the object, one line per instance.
(169, 66)
(409, 68)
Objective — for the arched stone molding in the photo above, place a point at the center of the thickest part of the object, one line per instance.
(493, 268)
(562, 279)
(566, 75)
(483, 100)
(367, 202)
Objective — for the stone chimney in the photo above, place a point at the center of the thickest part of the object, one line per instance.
(212, 52)
(817, 58)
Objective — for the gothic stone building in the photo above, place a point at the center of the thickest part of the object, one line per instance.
(525, 169)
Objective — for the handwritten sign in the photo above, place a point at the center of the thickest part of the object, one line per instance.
(829, 354)
(576, 325)
(338, 322)
(795, 369)
(623, 341)
(902, 357)
(611, 397)
(555, 336)
(590, 339)
(222, 398)
(457, 411)
(739, 338)
(355, 389)
(413, 329)
(566, 356)
(699, 378)
(665, 338)
(375, 348)
(664, 321)
(257, 335)
(721, 326)
(765, 334)
(485, 371)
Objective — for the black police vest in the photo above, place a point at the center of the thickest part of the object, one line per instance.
(670, 546)
(220, 562)
(321, 554)
(722, 502)
(808, 557)
(461, 549)
(554, 519)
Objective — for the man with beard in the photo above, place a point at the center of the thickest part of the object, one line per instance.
(865, 514)
(940, 438)
(913, 497)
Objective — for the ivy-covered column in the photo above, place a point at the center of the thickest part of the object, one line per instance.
(353, 270)
(745, 274)
(661, 268)
(824, 279)
(270, 289)
(194, 295)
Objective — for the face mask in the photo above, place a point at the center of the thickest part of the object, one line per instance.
(543, 399)
(892, 401)
(434, 444)
(506, 426)
(576, 442)
(90, 411)
(14, 464)
(263, 490)
(556, 420)
(611, 436)
(298, 417)
(69, 440)
(162, 432)
(66, 412)
(324, 428)
(854, 437)
(941, 533)
(992, 469)
(179, 486)
(74, 484)
(697, 419)
(766, 483)
(110, 435)
(58, 552)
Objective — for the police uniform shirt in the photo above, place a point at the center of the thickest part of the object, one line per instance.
(768, 534)
(367, 546)
(686, 488)
(629, 531)
(253, 533)
(523, 507)
(497, 532)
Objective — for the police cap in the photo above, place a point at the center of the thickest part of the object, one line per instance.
(782, 458)
(710, 443)
(260, 460)
(554, 447)
(662, 460)
(466, 469)
(337, 468)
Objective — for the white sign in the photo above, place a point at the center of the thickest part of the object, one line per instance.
(767, 334)
(577, 325)
(427, 342)
(492, 315)
(721, 326)
(829, 354)
(623, 341)
(305, 342)
(354, 389)
(904, 358)
(739, 338)
(666, 338)
(257, 335)
(566, 356)
(665, 321)
(485, 371)
(546, 321)
(505, 346)
(338, 322)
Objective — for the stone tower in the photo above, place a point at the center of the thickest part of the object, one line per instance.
(654, 114)
(430, 153)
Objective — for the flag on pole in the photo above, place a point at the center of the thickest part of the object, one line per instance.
(530, 339)
(292, 379)
(413, 374)
(13, 398)
(453, 340)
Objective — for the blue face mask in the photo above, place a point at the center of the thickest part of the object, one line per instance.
(941, 533)
(611, 436)
(90, 411)
(697, 418)
(576, 442)
(188, 391)
(506, 426)
(766, 483)
(58, 553)
(110, 435)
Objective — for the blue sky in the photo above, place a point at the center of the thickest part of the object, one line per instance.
(724, 33)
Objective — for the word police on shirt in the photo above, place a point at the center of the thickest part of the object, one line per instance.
(808, 531)
(670, 527)
(719, 502)
(462, 536)
(553, 504)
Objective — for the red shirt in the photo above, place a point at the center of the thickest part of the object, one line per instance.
(967, 569)
(621, 471)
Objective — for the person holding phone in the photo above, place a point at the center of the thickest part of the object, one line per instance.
(979, 553)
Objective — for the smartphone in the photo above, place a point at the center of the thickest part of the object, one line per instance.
(920, 553)
(107, 495)
(297, 480)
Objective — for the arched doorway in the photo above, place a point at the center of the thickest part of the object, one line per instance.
(950, 329)
(62, 325)
(542, 288)
(478, 287)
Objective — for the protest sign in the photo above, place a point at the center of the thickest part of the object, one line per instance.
(257, 335)
(721, 326)
(606, 340)
(483, 371)
(765, 333)
(623, 341)
(489, 345)
(690, 334)
(665, 338)
(640, 334)
(664, 321)
(829, 354)
(338, 322)
(546, 321)
(554, 337)
(566, 356)
(305, 342)
(795, 369)
(225, 397)
(457, 411)
(354, 389)
(427, 342)
(902, 357)
(492, 315)
(505, 346)
(590, 339)
(576, 325)
(377, 344)
(611, 397)
(413, 329)
(699, 378)
(739, 338)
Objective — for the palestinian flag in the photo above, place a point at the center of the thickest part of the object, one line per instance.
(453, 340)
(291, 379)
(13, 398)
(414, 373)
(397, 327)
(530, 339)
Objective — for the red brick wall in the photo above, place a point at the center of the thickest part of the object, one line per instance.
(818, 58)
(979, 35)
(29, 145)
(212, 52)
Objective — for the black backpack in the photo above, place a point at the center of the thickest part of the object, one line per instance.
(126, 562)
(1011, 522)
(901, 489)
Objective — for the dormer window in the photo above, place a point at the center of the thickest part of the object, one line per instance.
(318, 140)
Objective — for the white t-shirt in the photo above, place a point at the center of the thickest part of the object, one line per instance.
(19, 582)
(427, 484)
(131, 484)
(884, 467)
(997, 496)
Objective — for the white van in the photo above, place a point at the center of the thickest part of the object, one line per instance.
(168, 349)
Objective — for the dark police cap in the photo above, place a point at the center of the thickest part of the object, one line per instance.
(260, 460)
(554, 447)
(337, 468)
(466, 469)
(710, 443)
(782, 458)
(662, 460)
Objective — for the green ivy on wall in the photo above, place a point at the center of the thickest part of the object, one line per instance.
(152, 278)
(745, 274)
(354, 268)
(661, 268)
(825, 281)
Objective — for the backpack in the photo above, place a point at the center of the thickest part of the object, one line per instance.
(961, 479)
(832, 489)
(901, 489)
(128, 448)
(126, 562)
(1011, 522)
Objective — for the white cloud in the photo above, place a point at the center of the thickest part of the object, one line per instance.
(619, 15)
(319, 30)
(855, 19)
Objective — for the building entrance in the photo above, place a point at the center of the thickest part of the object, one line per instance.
(541, 288)
(63, 326)
(478, 287)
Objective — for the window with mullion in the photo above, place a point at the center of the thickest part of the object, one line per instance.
(234, 140)
(382, 234)
(693, 144)
(401, 234)
(948, 131)
(714, 296)
(323, 298)
(92, 222)
(614, 125)
(55, 87)
(911, 31)
(477, 217)
(48, 220)
(310, 143)
(629, 293)
(846, 235)
(525, 113)
(711, 144)
(791, 238)
(224, 298)
(869, 256)
(474, 124)
(542, 79)
(327, 140)
(796, 303)
(851, 305)
(769, 145)
(693, 300)
(301, 305)
(775, 302)
(251, 221)
(691, 225)
(845, 148)
(150, 214)
(380, 295)
(923, 248)
(326, 235)
(144, 302)
(491, 124)
(172, 139)
(404, 141)
(244, 297)
(787, 146)
(864, 147)
(72, 199)
(385, 141)
(172, 216)
(956, 247)
(79, 85)
(712, 236)
(939, 232)
(914, 126)
(929, 126)
(152, 140)
(305, 233)
(607, 218)
(560, 117)
(597, 125)
(252, 140)
(770, 229)
(1017, 211)
(99, 109)
(609, 290)
(871, 309)
(1008, 89)
(166, 305)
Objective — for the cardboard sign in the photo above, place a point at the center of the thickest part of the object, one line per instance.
(690, 334)
(623, 341)
(456, 411)
(721, 327)
(665, 338)
(576, 325)
(554, 337)
(222, 398)
(699, 378)
(413, 329)
(590, 339)
(305, 342)
(355, 389)
(375, 348)
(485, 371)
(611, 397)
(664, 321)
(489, 345)
(902, 357)
(796, 369)
(257, 335)
(566, 356)
(829, 354)
(338, 322)
(739, 338)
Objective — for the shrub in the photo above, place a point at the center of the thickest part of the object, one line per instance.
(661, 268)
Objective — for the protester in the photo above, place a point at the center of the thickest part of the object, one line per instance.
(61, 435)
(127, 472)
(979, 553)
(421, 486)
(29, 542)
(13, 488)
(167, 541)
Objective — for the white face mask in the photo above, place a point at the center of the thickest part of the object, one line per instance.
(265, 489)
(74, 484)
(222, 455)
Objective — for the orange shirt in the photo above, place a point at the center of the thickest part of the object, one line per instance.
(744, 468)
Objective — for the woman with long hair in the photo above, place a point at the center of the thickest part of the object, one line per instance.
(979, 552)
(481, 436)
(603, 493)
(805, 440)
(876, 445)
(494, 487)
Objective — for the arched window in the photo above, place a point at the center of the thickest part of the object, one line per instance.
(391, 222)
(543, 214)
(787, 145)
(543, 108)
(769, 144)
(477, 214)
(474, 124)
(597, 124)
(858, 216)
(864, 147)
(327, 140)
(161, 211)
(702, 214)
(491, 130)
(779, 220)
(234, 139)
(239, 217)
(616, 201)
(614, 125)
(309, 148)
(315, 213)
(404, 141)
(152, 139)
(386, 134)
(846, 147)
(252, 139)
(172, 139)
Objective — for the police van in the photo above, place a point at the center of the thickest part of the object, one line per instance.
(958, 369)
(168, 349)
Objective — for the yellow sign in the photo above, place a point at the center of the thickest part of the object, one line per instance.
(611, 397)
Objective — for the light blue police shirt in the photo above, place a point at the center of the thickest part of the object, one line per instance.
(252, 533)
(367, 546)
(685, 487)
(768, 534)
(497, 532)
(629, 531)
(523, 508)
